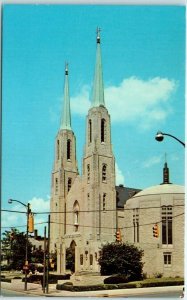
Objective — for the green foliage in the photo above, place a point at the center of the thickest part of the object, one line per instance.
(14, 245)
(138, 284)
(5, 280)
(70, 261)
(121, 258)
(98, 287)
(162, 283)
(116, 279)
(158, 275)
(37, 256)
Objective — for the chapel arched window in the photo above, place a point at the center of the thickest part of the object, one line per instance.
(167, 225)
(136, 225)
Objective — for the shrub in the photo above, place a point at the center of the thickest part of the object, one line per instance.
(70, 259)
(121, 258)
(17, 277)
(6, 268)
(161, 283)
(144, 276)
(116, 279)
(68, 287)
(5, 279)
(158, 275)
(68, 283)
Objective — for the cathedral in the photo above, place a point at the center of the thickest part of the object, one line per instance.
(88, 209)
(85, 205)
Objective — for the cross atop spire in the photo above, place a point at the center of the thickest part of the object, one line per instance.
(98, 88)
(66, 68)
(66, 115)
(165, 172)
(98, 34)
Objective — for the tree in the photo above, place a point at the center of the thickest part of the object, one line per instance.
(121, 258)
(14, 244)
(70, 261)
(37, 256)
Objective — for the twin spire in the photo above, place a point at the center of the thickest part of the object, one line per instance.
(66, 116)
(98, 88)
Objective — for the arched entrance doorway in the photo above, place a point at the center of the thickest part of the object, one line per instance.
(70, 257)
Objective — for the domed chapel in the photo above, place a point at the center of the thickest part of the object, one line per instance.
(87, 209)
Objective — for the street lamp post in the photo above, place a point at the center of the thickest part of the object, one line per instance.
(160, 136)
(26, 250)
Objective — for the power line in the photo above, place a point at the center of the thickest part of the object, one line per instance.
(39, 223)
(95, 227)
(87, 211)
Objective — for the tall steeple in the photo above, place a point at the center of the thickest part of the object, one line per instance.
(66, 116)
(98, 88)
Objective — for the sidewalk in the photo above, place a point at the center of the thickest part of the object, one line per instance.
(36, 290)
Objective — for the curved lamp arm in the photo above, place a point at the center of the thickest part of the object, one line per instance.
(11, 200)
(160, 136)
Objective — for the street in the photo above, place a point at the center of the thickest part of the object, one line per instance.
(10, 293)
(157, 295)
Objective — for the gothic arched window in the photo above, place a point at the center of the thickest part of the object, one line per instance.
(76, 214)
(90, 131)
(68, 149)
(88, 199)
(69, 183)
(91, 259)
(56, 185)
(81, 259)
(103, 129)
(104, 173)
(104, 201)
(88, 173)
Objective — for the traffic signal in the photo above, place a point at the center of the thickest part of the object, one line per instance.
(118, 235)
(156, 231)
(31, 223)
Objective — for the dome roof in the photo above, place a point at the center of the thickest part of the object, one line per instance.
(156, 191)
(161, 189)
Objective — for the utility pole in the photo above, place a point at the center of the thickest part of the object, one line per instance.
(26, 250)
(44, 273)
(48, 256)
(26, 266)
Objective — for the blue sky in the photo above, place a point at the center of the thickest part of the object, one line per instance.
(143, 57)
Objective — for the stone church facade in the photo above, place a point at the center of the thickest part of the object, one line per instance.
(85, 205)
(88, 209)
